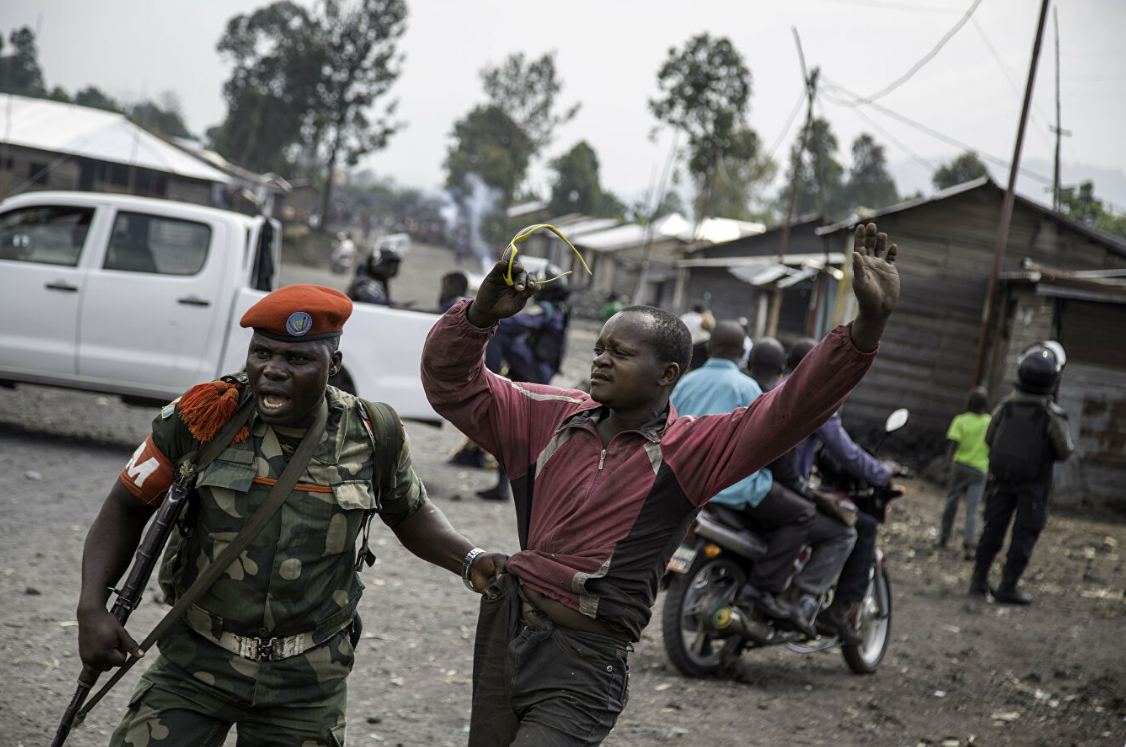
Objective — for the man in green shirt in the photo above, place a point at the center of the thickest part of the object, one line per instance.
(967, 463)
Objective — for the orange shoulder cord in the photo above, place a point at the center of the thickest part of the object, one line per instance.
(205, 407)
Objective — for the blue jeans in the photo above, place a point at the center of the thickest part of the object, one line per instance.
(541, 688)
(969, 483)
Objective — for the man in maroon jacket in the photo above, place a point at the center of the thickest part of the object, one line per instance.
(605, 486)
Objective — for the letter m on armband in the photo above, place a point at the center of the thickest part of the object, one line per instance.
(148, 474)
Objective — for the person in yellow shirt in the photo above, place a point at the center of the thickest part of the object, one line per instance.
(967, 464)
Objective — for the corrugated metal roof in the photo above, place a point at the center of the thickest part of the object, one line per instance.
(92, 133)
(1112, 242)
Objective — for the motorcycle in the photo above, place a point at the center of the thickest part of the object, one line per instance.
(704, 631)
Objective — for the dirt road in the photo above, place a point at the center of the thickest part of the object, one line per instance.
(958, 672)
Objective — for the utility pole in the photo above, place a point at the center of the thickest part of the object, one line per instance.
(810, 81)
(1007, 204)
(1057, 130)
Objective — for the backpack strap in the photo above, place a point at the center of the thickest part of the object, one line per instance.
(386, 433)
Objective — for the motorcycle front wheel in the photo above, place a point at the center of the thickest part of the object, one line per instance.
(691, 642)
(874, 626)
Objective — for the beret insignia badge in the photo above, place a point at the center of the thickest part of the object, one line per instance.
(298, 324)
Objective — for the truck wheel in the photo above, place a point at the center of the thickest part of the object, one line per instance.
(690, 641)
(342, 381)
(874, 626)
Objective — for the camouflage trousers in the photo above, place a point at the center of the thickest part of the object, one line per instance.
(175, 706)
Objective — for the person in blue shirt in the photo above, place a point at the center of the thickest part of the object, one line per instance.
(791, 521)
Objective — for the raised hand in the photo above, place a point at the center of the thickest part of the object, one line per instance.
(496, 299)
(875, 281)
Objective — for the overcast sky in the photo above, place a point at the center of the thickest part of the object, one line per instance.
(608, 53)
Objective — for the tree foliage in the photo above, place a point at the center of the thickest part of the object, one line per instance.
(870, 184)
(19, 69)
(272, 85)
(742, 173)
(964, 168)
(820, 143)
(95, 98)
(1082, 205)
(706, 89)
(164, 117)
(488, 143)
(303, 84)
(577, 187)
(867, 183)
(526, 90)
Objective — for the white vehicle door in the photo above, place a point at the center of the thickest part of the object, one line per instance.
(41, 287)
(150, 313)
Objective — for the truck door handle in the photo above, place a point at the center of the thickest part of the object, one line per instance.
(193, 301)
(59, 285)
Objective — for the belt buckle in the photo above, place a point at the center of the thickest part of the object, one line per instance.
(269, 649)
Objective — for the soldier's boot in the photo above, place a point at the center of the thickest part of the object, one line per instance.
(1008, 592)
(979, 584)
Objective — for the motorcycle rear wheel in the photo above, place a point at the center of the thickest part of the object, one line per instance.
(874, 626)
(690, 641)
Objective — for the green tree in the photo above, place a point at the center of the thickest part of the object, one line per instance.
(742, 173)
(303, 85)
(163, 117)
(964, 168)
(821, 143)
(612, 207)
(272, 86)
(869, 182)
(1082, 205)
(577, 188)
(527, 91)
(19, 71)
(706, 89)
(94, 98)
(490, 147)
(360, 64)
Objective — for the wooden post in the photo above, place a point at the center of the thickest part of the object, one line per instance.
(1007, 204)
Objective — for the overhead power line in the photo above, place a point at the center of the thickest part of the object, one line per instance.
(841, 92)
(786, 128)
(925, 59)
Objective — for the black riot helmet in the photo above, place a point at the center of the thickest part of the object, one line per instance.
(555, 291)
(1039, 367)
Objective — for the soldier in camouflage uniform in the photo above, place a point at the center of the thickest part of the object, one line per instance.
(270, 644)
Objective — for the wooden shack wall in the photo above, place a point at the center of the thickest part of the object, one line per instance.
(926, 359)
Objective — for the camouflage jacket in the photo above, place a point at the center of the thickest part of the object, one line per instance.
(298, 574)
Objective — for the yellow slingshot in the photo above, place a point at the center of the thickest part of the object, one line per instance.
(522, 236)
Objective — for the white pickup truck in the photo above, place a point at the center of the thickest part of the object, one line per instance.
(142, 297)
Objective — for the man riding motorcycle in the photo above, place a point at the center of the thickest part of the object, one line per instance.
(852, 460)
(789, 521)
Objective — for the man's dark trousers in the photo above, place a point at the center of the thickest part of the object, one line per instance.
(541, 688)
(853, 582)
(1029, 502)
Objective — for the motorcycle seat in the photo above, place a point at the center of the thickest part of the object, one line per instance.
(737, 520)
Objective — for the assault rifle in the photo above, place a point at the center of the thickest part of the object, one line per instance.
(129, 596)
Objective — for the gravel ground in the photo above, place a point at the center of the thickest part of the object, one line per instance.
(958, 672)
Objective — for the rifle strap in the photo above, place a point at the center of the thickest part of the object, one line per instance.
(276, 497)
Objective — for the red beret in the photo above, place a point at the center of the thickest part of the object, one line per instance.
(300, 313)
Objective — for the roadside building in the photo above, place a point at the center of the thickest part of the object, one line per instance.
(1061, 280)
(51, 145)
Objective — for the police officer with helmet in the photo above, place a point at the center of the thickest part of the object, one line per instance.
(1027, 434)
